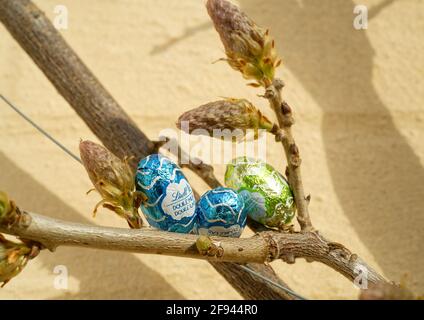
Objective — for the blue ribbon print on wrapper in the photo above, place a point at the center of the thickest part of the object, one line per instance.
(220, 212)
(171, 204)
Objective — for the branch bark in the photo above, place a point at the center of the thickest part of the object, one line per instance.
(286, 121)
(261, 248)
(102, 114)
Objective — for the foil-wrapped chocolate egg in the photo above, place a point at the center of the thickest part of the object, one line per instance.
(266, 193)
(220, 212)
(171, 204)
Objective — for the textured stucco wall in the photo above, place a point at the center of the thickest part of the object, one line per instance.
(358, 99)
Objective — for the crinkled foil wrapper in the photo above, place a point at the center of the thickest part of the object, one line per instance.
(268, 197)
(171, 204)
(220, 212)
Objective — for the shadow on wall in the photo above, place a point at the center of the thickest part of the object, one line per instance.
(377, 176)
(101, 274)
(189, 32)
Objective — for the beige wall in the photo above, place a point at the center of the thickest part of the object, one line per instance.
(358, 98)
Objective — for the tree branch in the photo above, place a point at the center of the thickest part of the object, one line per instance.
(102, 114)
(261, 248)
(285, 121)
(52, 233)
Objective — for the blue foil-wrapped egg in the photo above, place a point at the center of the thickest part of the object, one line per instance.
(220, 212)
(171, 204)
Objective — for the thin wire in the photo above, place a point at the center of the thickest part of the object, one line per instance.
(287, 290)
(61, 146)
(36, 126)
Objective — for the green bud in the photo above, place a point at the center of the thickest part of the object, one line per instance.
(13, 258)
(4, 204)
(9, 212)
(203, 244)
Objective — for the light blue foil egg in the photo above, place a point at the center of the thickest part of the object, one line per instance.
(220, 212)
(171, 204)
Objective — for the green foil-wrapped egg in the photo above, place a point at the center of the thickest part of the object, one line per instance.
(267, 195)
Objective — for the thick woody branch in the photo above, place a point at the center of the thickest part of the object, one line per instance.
(263, 247)
(102, 114)
(52, 233)
(285, 121)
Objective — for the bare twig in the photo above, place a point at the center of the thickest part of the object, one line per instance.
(285, 121)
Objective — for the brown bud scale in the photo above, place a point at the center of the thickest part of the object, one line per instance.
(113, 179)
(249, 48)
(230, 114)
